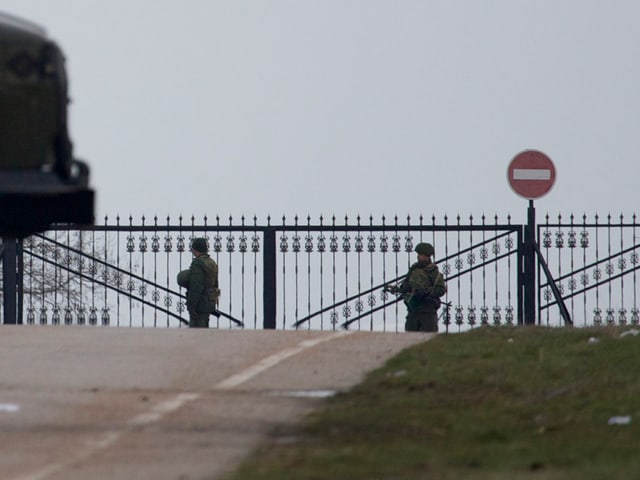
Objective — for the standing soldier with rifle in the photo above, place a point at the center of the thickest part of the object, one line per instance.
(421, 290)
(201, 281)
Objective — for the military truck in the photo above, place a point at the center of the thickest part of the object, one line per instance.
(40, 181)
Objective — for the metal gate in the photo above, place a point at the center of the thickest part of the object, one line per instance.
(594, 264)
(322, 274)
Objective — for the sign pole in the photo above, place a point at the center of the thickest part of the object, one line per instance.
(531, 175)
(529, 280)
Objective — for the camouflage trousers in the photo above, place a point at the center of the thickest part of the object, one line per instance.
(421, 322)
(198, 320)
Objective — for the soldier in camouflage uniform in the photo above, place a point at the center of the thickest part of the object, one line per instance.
(201, 282)
(421, 290)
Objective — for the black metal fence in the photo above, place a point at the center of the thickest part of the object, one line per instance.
(595, 265)
(327, 273)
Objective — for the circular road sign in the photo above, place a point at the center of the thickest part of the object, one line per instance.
(531, 174)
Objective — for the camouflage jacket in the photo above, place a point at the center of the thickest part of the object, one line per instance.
(202, 293)
(424, 285)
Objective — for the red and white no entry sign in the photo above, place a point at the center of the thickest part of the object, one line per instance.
(531, 174)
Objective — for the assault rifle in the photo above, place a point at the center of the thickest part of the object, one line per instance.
(217, 314)
(397, 290)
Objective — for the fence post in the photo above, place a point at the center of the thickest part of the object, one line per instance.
(269, 279)
(9, 280)
(20, 278)
(529, 286)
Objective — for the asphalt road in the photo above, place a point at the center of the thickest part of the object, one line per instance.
(121, 403)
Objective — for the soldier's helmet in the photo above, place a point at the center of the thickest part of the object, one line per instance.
(200, 245)
(183, 279)
(425, 249)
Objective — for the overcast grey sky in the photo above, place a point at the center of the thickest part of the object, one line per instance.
(349, 106)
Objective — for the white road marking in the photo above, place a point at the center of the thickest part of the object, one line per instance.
(531, 174)
(9, 407)
(305, 393)
(161, 409)
(268, 362)
(158, 411)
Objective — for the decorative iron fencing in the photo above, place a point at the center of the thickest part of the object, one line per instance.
(595, 266)
(324, 274)
(329, 273)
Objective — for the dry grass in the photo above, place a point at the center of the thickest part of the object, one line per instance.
(493, 403)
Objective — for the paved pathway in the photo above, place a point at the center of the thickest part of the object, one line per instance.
(120, 403)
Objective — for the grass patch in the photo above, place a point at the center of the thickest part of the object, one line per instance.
(493, 403)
